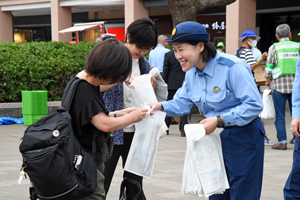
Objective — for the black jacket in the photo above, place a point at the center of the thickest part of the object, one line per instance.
(172, 71)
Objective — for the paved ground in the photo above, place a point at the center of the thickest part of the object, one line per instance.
(166, 181)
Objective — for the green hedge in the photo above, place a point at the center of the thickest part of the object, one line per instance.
(39, 66)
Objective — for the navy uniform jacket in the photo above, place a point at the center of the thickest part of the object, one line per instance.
(172, 71)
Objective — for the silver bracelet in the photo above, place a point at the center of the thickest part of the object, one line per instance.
(115, 113)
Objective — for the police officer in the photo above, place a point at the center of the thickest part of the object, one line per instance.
(291, 188)
(222, 87)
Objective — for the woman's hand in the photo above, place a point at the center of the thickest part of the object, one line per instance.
(125, 111)
(294, 126)
(138, 114)
(153, 82)
(154, 106)
(128, 81)
(210, 124)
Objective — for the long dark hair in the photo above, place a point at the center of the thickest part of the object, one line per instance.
(142, 33)
(109, 59)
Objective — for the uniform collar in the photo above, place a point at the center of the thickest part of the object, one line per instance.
(209, 67)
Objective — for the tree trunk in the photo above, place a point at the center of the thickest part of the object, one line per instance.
(187, 10)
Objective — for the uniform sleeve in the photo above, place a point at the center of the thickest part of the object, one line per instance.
(181, 104)
(244, 88)
(296, 92)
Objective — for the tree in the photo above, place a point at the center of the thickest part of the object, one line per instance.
(187, 10)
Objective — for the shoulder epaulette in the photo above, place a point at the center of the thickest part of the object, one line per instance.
(225, 61)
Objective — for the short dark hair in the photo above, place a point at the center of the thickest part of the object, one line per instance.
(109, 59)
(209, 51)
(142, 33)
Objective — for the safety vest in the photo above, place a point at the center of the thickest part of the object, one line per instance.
(287, 53)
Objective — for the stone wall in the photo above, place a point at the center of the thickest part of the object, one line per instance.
(15, 109)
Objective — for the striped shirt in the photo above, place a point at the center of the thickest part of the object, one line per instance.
(246, 55)
(283, 84)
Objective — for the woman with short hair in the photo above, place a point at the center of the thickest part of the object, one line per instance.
(141, 36)
(108, 62)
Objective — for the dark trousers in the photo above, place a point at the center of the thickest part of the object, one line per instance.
(243, 152)
(183, 119)
(110, 166)
(291, 189)
(279, 103)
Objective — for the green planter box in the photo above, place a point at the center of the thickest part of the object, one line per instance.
(34, 105)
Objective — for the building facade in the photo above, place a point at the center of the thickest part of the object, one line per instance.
(41, 20)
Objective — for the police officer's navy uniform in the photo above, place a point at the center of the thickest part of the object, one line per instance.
(292, 185)
(226, 87)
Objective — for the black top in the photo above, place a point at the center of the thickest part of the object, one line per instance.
(87, 102)
(172, 71)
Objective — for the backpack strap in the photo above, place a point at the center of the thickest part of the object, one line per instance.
(239, 51)
(69, 94)
(66, 102)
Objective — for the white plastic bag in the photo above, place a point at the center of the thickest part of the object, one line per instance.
(269, 109)
(204, 170)
(144, 145)
(142, 91)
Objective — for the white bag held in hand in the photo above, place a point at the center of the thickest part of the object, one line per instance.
(161, 90)
(269, 109)
(142, 91)
(144, 145)
(204, 170)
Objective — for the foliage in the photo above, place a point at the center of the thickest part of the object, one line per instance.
(187, 10)
(39, 66)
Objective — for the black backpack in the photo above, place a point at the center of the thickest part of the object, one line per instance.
(58, 167)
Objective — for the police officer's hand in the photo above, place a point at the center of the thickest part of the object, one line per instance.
(294, 126)
(210, 124)
(154, 106)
